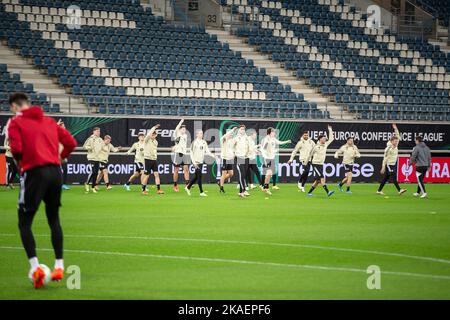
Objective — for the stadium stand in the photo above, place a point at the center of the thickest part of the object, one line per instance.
(374, 73)
(124, 60)
(12, 83)
(439, 9)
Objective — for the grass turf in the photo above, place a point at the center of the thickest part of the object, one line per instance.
(286, 246)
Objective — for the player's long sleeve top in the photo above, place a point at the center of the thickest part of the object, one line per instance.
(303, 147)
(199, 149)
(181, 141)
(390, 156)
(138, 149)
(227, 147)
(319, 152)
(348, 153)
(150, 146)
(241, 145)
(252, 149)
(93, 145)
(391, 153)
(269, 147)
(106, 149)
(421, 155)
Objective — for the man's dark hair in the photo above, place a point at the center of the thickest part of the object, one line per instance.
(141, 134)
(321, 136)
(349, 138)
(19, 98)
(242, 126)
(305, 132)
(95, 129)
(269, 130)
(419, 138)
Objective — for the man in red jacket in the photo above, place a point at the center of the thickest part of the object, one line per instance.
(34, 141)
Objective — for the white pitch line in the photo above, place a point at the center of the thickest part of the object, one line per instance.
(382, 253)
(245, 262)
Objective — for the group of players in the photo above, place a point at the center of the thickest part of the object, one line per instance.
(38, 144)
(238, 154)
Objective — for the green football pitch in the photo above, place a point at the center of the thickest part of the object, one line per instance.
(286, 246)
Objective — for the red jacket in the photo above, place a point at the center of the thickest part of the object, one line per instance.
(34, 139)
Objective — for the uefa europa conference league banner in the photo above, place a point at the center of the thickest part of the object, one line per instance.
(368, 135)
(121, 167)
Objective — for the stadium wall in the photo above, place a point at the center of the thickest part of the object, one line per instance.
(366, 170)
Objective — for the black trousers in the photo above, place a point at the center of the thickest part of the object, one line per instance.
(390, 174)
(64, 172)
(304, 176)
(11, 170)
(92, 178)
(241, 167)
(197, 178)
(420, 173)
(252, 168)
(36, 185)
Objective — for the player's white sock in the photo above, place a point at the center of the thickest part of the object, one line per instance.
(59, 264)
(34, 263)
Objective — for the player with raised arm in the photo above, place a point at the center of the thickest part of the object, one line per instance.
(93, 145)
(34, 141)
(103, 158)
(199, 149)
(389, 165)
(303, 148)
(227, 154)
(252, 167)
(150, 160)
(349, 153)
(180, 156)
(318, 155)
(269, 150)
(138, 149)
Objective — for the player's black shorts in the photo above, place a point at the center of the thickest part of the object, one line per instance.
(391, 169)
(180, 159)
(103, 165)
(40, 184)
(422, 169)
(348, 168)
(268, 164)
(150, 165)
(318, 170)
(227, 165)
(138, 167)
